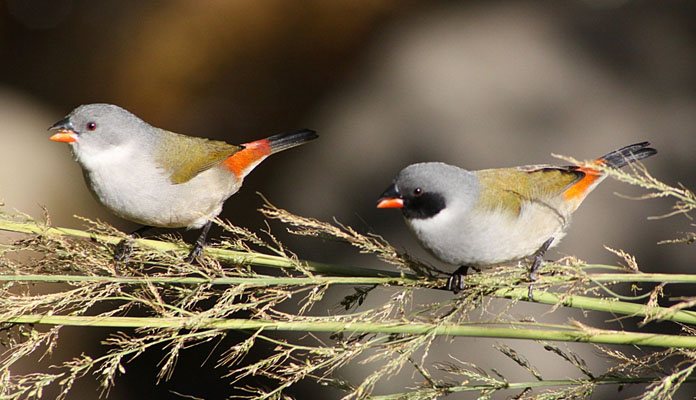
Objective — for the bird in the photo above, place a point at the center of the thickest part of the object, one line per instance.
(493, 216)
(158, 178)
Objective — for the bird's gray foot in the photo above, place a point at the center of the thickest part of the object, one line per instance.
(124, 248)
(197, 249)
(195, 252)
(534, 269)
(455, 282)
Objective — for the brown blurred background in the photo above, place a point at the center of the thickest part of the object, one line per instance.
(385, 83)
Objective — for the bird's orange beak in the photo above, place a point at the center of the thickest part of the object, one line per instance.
(391, 198)
(64, 136)
(390, 203)
(65, 131)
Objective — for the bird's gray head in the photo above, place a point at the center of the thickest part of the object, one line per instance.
(93, 128)
(423, 190)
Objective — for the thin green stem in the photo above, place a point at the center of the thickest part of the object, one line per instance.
(426, 392)
(620, 296)
(597, 304)
(187, 280)
(645, 278)
(598, 336)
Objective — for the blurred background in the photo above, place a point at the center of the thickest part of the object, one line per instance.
(385, 83)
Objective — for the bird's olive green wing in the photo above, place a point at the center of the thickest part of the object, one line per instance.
(184, 157)
(509, 188)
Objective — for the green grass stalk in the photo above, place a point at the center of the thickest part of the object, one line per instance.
(590, 335)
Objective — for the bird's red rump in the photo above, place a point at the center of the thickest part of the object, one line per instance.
(580, 188)
(243, 161)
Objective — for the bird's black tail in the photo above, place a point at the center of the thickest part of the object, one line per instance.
(286, 140)
(626, 155)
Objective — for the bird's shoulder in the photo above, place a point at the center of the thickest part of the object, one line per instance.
(184, 157)
(510, 188)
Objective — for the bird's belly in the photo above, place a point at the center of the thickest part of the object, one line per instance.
(151, 199)
(489, 237)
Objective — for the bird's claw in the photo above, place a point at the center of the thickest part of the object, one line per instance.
(455, 282)
(533, 275)
(123, 250)
(195, 253)
(197, 249)
(534, 269)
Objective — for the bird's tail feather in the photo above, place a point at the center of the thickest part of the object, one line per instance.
(287, 140)
(246, 159)
(626, 155)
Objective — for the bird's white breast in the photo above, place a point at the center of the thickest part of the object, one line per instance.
(474, 237)
(126, 180)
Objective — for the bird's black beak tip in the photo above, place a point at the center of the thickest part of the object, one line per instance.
(62, 124)
(391, 198)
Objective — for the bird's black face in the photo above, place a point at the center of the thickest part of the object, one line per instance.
(416, 202)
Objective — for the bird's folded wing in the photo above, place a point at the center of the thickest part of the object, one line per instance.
(184, 157)
(509, 188)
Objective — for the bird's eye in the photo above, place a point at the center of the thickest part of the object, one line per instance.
(417, 191)
(91, 126)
